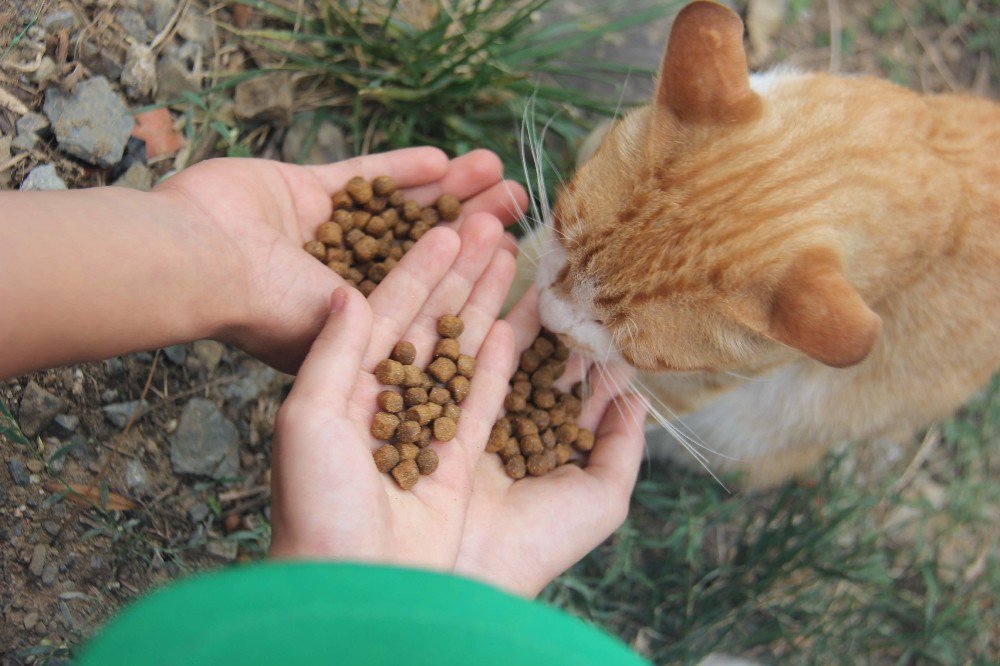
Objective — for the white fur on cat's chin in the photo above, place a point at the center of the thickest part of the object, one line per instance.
(575, 318)
(764, 82)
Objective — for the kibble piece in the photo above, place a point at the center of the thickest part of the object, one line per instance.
(418, 230)
(442, 369)
(506, 424)
(549, 438)
(366, 248)
(425, 436)
(390, 401)
(343, 219)
(444, 429)
(316, 249)
(561, 352)
(384, 425)
(414, 396)
(406, 474)
(408, 431)
(390, 215)
(435, 409)
(452, 411)
(429, 216)
(389, 372)
(383, 185)
(342, 200)
(366, 287)
(459, 387)
(411, 211)
(520, 376)
(525, 426)
(404, 352)
(543, 346)
(530, 360)
(567, 432)
(514, 403)
(339, 254)
(557, 416)
(571, 405)
(542, 463)
(584, 440)
(354, 236)
(450, 326)
(449, 207)
(359, 219)
(359, 189)
(378, 271)
(408, 450)
(544, 398)
(420, 413)
(522, 389)
(497, 440)
(448, 348)
(376, 205)
(510, 449)
(407, 245)
(580, 390)
(515, 467)
(427, 461)
(354, 275)
(397, 198)
(531, 444)
(439, 395)
(412, 376)
(563, 453)
(543, 378)
(428, 382)
(339, 267)
(376, 226)
(541, 418)
(330, 233)
(466, 365)
(386, 457)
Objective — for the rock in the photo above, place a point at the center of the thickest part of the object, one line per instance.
(133, 24)
(114, 367)
(265, 98)
(93, 123)
(35, 466)
(109, 395)
(61, 20)
(196, 27)
(303, 145)
(47, 71)
(67, 422)
(198, 513)
(29, 127)
(139, 71)
(43, 177)
(119, 413)
(18, 472)
(30, 620)
(258, 378)
(209, 352)
(37, 559)
(49, 575)
(156, 131)
(50, 527)
(205, 442)
(136, 177)
(136, 476)
(38, 408)
(226, 550)
(176, 353)
(174, 78)
(101, 61)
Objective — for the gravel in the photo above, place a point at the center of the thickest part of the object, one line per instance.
(43, 177)
(92, 123)
(38, 408)
(205, 442)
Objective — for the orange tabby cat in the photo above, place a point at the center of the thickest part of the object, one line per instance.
(791, 260)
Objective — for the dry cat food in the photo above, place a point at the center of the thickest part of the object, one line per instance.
(372, 227)
(539, 431)
(427, 408)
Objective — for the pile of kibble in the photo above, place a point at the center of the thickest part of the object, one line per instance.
(426, 410)
(372, 227)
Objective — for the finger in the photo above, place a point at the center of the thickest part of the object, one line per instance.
(509, 243)
(480, 237)
(466, 177)
(483, 305)
(505, 200)
(330, 371)
(401, 295)
(523, 318)
(409, 167)
(616, 457)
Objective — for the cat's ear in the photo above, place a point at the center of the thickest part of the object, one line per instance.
(704, 77)
(815, 310)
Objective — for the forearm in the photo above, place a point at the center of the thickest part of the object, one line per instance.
(90, 274)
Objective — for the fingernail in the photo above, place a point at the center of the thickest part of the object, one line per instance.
(337, 300)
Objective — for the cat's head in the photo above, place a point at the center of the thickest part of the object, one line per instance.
(674, 250)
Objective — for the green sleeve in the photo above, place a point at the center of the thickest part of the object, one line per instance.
(309, 613)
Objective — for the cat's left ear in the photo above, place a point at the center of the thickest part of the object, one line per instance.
(814, 309)
(704, 76)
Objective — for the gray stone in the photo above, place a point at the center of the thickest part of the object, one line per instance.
(68, 422)
(32, 122)
(18, 472)
(43, 177)
(174, 78)
(114, 367)
(258, 378)
(136, 476)
(92, 123)
(38, 408)
(198, 513)
(30, 620)
(134, 25)
(195, 27)
(304, 145)
(49, 574)
(227, 550)
(266, 98)
(50, 527)
(136, 177)
(25, 142)
(209, 352)
(109, 395)
(101, 61)
(176, 353)
(139, 71)
(61, 20)
(205, 442)
(37, 559)
(119, 413)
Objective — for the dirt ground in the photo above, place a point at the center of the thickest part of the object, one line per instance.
(68, 562)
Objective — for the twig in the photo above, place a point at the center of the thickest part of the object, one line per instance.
(836, 28)
(168, 29)
(12, 103)
(931, 440)
(233, 495)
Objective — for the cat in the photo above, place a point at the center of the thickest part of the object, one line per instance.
(791, 261)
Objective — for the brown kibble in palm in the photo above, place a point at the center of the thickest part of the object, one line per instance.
(515, 467)
(522, 389)
(563, 453)
(584, 440)
(497, 441)
(418, 230)
(408, 431)
(383, 185)
(544, 398)
(459, 387)
(549, 439)
(444, 429)
(450, 326)
(354, 236)
(406, 474)
(442, 369)
(359, 189)
(386, 457)
(416, 395)
(466, 365)
(567, 433)
(390, 372)
(448, 348)
(525, 426)
(557, 416)
(359, 219)
(384, 425)
(571, 405)
(531, 444)
(342, 200)
(397, 198)
(514, 403)
(452, 411)
(408, 450)
(404, 352)
(439, 395)
(435, 409)
(376, 226)
(561, 352)
(330, 233)
(390, 401)
(427, 461)
(316, 249)
(543, 378)
(343, 219)
(366, 248)
(429, 216)
(366, 287)
(411, 211)
(412, 376)
(378, 271)
(530, 360)
(542, 463)
(376, 205)
(339, 254)
(425, 436)
(543, 347)
(448, 207)
(341, 268)
(511, 448)
(541, 418)
(420, 413)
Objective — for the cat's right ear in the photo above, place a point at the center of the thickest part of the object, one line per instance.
(704, 76)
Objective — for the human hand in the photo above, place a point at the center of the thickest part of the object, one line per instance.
(257, 214)
(520, 535)
(328, 499)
